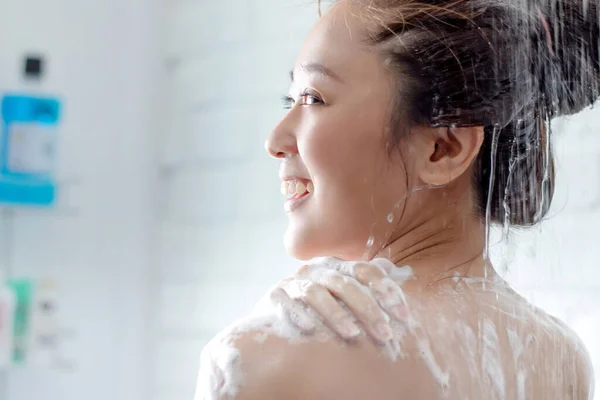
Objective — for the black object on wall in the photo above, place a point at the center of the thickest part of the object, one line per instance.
(33, 67)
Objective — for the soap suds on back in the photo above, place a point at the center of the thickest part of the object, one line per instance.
(470, 347)
(393, 349)
(517, 349)
(447, 346)
(441, 377)
(491, 359)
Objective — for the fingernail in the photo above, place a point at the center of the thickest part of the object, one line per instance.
(384, 331)
(400, 312)
(349, 328)
(303, 322)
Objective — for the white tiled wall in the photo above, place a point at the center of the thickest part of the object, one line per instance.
(221, 245)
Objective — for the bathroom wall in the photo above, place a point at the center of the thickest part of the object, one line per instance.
(170, 219)
(221, 228)
(221, 243)
(103, 61)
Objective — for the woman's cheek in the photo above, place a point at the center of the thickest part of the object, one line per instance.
(321, 146)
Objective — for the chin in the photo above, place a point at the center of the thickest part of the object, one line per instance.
(304, 247)
(298, 248)
(304, 242)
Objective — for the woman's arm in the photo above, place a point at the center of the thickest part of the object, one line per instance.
(368, 294)
(246, 368)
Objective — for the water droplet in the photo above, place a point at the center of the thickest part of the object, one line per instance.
(387, 62)
(390, 217)
(370, 241)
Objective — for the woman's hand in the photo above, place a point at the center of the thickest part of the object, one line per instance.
(339, 291)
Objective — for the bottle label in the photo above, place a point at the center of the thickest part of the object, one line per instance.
(31, 148)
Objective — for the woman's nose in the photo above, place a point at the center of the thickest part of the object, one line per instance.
(281, 142)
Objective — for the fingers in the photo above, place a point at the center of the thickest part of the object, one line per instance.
(305, 270)
(292, 310)
(358, 300)
(387, 292)
(366, 289)
(319, 299)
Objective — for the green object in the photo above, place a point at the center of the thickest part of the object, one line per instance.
(24, 290)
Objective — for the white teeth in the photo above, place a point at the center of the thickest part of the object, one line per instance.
(284, 188)
(296, 187)
(300, 188)
(291, 187)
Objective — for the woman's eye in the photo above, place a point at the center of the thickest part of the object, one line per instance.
(307, 99)
(304, 99)
(287, 101)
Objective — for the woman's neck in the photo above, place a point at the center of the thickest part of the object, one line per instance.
(439, 249)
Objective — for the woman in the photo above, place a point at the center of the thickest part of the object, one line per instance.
(411, 128)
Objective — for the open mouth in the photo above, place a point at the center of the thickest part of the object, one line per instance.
(296, 189)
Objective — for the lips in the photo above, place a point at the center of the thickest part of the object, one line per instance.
(298, 191)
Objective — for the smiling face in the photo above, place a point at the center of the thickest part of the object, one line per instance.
(357, 188)
(334, 142)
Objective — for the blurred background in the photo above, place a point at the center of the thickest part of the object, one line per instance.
(148, 216)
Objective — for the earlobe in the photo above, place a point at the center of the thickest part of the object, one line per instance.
(451, 152)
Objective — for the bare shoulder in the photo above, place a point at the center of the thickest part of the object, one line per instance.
(253, 366)
(561, 345)
(577, 358)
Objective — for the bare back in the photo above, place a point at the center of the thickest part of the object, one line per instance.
(479, 341)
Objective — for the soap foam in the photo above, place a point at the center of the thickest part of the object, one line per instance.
(221, 363)
(482, 355)
(491, 359)
(222, 372)
(396, 276)
(518, 349)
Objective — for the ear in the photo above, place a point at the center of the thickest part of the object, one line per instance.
(448, 153)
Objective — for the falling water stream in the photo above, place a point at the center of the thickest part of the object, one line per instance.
(504, 347)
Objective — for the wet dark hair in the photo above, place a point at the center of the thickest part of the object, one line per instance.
(507, 65)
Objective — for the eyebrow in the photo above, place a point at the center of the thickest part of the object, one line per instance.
(318, 69)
